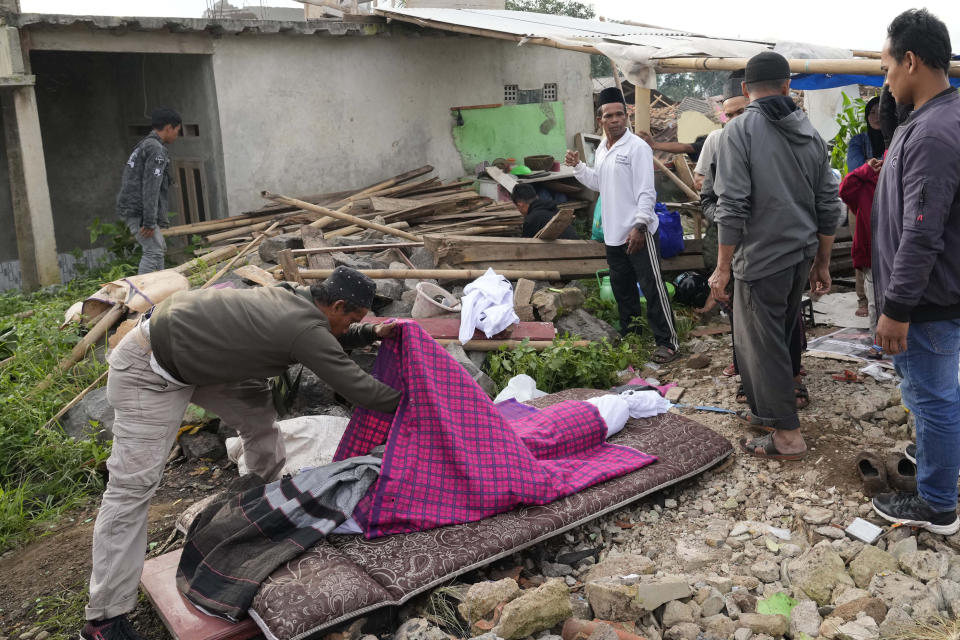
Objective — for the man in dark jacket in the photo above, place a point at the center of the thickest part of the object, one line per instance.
(777, 210)
(536, 212)
(215, 348)
(144, 190)
(916, 264)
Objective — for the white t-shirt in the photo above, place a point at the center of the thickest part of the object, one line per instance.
(709, 152)
(623, 174)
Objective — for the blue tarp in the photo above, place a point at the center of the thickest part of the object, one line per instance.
(830, 80)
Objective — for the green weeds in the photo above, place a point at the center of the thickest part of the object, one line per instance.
(42, 471)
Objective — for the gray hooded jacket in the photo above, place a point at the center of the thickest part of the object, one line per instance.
(144, 190)
(774, 187)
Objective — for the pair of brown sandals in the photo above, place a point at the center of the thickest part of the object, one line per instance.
(883, 474)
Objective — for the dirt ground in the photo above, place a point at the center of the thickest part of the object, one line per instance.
(58, 563)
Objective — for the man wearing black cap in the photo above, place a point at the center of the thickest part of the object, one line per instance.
(623, 174)
(215, 348)
(777, 210)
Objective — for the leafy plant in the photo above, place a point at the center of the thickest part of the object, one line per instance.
(565, 365)
(851, 123)
(121, 244)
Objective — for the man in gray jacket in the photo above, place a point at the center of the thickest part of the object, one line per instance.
(777, 210)
(916, 264)
(144, 190)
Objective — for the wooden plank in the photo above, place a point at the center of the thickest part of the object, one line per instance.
(457, 249)
(313, 239)
(253, 243)
(505, 180)
(713, 330)
(493, 345)
(693, 195)
(439, 274)
(342, 216)
(350, 249)
(291, 272)
(585, 267)
(556, 225)
(449, 328)
(683, 170)
(256, 275)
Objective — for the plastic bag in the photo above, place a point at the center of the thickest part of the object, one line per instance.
(521, 388)
(596, 232)
(310, 441)
(671, 231)
(614, 410)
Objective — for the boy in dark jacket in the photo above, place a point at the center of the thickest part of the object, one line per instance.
(536, 212)
(916, 264)
(144, 190)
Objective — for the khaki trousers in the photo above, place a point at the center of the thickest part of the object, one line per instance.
(149, 410)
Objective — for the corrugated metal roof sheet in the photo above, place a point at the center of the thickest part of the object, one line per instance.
(527, 24)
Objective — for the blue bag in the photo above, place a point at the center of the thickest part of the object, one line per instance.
(670, 231)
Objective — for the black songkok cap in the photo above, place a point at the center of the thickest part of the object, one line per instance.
(611, 95)
(352, 286)
(733, 88)
(767, 66)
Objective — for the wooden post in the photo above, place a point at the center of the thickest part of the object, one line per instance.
(641, 109)
(32, 213)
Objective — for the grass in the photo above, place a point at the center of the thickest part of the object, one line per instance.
(42, 471)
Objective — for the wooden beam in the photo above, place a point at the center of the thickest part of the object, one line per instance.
(306, 251)
(641, 109)
(493, 345)
(438, 274)
(693, 195)
(239, 255)
(460, 249)
(255, 274)
(291, 272)
(360, 222)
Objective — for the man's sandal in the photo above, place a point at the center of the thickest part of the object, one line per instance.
(730, 370)
(768, 449)
(663, 355)
(802, 395)
(754, 422)
(741, 396)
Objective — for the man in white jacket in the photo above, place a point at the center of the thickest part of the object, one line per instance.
(623, 174)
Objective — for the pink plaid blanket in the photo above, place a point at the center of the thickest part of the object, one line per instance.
(451, 457)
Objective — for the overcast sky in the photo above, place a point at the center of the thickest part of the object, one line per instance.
(851, 24)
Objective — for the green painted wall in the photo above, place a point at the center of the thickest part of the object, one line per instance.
(510, 131)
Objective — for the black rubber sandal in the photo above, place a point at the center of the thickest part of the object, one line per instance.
(770, 451)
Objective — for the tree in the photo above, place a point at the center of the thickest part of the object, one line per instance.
(572, 8)
(600, 66)
(677, 86)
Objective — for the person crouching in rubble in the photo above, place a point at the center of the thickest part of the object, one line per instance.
(215, 348)
(537, 212)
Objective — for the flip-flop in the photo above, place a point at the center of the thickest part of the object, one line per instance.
(801, 393)
(770, 451)
(730, 370)
(663, 355)
(752, 421)
(741, 393)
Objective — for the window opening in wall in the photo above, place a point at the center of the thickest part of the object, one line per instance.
(550, 92)
(510, 92)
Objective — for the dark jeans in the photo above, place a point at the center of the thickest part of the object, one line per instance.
(643, 268)
(767, 312)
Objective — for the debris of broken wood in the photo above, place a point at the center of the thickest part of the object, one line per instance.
(437, 274)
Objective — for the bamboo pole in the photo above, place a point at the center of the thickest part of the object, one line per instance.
(356, 247)
(352, 229)
(435, 274)
(79, 351)
(676, 180)
(239, 255)
(217, 255)
(360, 222)
(76, 400)
(865, 67)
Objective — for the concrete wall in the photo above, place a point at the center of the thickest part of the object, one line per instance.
(302, 114)
(87, 104)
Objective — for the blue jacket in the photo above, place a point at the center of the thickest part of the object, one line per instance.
(858, 151)
(916, 216)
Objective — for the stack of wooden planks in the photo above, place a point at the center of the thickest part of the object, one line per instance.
(571, 258)
(409, 202)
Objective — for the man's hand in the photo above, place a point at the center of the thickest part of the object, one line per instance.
(876, 164)
(891, 335)
(637, 239)
(820, 280)
(386, 329)
(146, 232)
(719, 282)
(572, 159)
